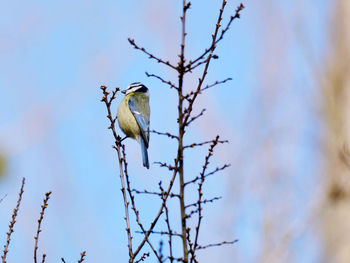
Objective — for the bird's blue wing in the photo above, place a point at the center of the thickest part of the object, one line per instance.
(141, 119)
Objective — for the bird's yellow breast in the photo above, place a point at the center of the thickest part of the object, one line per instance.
(126, 119)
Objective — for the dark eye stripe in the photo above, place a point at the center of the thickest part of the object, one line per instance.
(143, 88)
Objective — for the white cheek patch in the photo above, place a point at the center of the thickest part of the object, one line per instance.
(131, 90)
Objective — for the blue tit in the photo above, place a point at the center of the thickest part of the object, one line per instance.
(133, 116)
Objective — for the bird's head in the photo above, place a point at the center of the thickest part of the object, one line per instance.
(136, 87)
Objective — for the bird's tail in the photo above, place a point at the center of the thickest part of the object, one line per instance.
(144, 153)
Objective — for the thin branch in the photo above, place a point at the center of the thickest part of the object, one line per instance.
(12, 222)
(161, 194)
(196, 117)
(170, 167)
(82, 257)
(162, 233)
(218, 244)
(170, 234)
(108, 101)
(43, 259)
(160, 250)
(133, 205)
(169, 83)
(195, 63)
(182, 124)
(160, 211)
(62, 259)
(36, 237)
(3, 198)
(201, 79)
(200, 193)
(143, 257)
(216, 83)
(204, 201)
(204, 143)
(165, 134)
(217, 169)
(151, 56)
(117, 146)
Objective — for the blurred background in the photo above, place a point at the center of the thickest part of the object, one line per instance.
(286, 113)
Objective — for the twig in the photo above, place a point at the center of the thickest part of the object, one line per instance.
(216, 83)
(160, 250)
(170, 167)
(62, 259)
(218, 244)
(190, 66)
(133, 206)
(204, 143)
(117, 146)
(12, 222)
(200, 193)
(217, 169)
(82, 257)
(36, 237)
(201, 79)
(143, 257)
(161, 194)
(160, 211)
(162, 233)
(196, 117)
(204, 201)
(3, 198)
(170, 234)
(43, 259)
(167, 63)
(182, 124)
(165, 134)
(169, 83)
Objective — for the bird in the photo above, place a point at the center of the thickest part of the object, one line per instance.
(133, 116)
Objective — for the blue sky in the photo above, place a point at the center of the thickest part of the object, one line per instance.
(55, 55)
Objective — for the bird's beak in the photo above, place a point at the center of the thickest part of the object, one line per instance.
(123, 91)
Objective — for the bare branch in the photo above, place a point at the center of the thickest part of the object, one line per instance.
(12, 222)
(43, 258)
(217, 169)
(165, 134)
(196, 117)
(195, 63)
(201, 79)
(218, 244)
(169, 83)
(160, 211)
(108, 101)
(161, 194)
(117, 147)
(133, 205)
(167, 63)
(143, 257)
(204, 143)
(204, 201)
(62, 259)
(216, 83)
(200, 193)
(3, 198)
(36, 237)
(172, 233)
(170, 167)
(82, 257)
